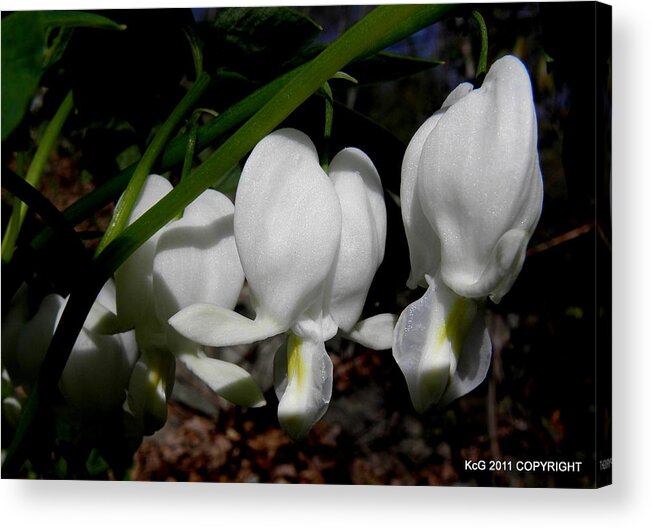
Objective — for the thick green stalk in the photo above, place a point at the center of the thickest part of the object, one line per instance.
(143, 169)
(34, 175)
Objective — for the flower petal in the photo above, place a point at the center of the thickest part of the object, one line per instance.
(430, 336)
(134, 283)
(287, 225)
(303, 372)
(196, 258)
(101, 320)
(363, 234)
(95, 377)
(97, 373)
(478, 173)
(228, 380)
(375, 332)
(150, 387)
(473, 362)
(213, 325)
(13, 320)
(424, 250)
(36, 335)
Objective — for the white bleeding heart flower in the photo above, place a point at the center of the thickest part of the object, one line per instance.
(471, 197)
(95, 378)
(442, 346)
(363, 234)
(310, 246)
(192, 259)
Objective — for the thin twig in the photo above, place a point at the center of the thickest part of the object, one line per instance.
(565, 237)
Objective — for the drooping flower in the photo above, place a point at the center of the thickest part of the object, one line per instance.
(471, 197)
(309, 245)
(95, 378)
(192, 259)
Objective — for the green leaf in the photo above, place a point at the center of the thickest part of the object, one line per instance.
(78, 19)
(385, 67)
(96, 465)
(258, 40)
(23, 45)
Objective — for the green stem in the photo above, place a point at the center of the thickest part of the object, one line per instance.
(189, 151)
(195, 47)
(34, 175)
(191, 139)
(483, 54)
(327, 132)
(143, 169)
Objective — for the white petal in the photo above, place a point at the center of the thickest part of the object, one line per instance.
(213, 325)
(106, 296)
(424, 250)
(11, 412)
(97, 373)
(424, 245)
(478, 172)
(36, 335)
(313, 325)
(346, 164)
(101, 320)
(150, 386)
(429, 337)
(457, 94)
(375, 332)
(308, 386)
(134, 279)
(13, 321)
(503, 267)
(363, 234)
(473, 362)
(287, 225)
(196, 258)
(228, 380)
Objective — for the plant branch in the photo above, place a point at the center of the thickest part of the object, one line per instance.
(34, 174)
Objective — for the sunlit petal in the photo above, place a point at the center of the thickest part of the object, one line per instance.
(134, 284)
(363, 234)
(212, 325)
(228, 380)
(430, 336)
(479, 177)
(287, 225)
(303, 372)
(424, 250)
(375, 332)
(196, 259)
